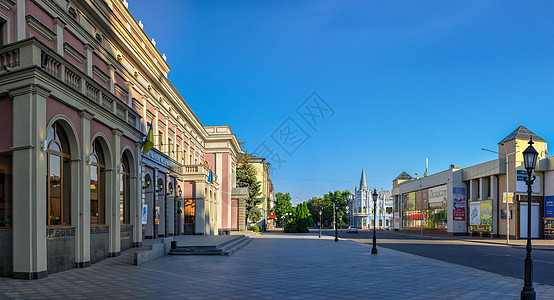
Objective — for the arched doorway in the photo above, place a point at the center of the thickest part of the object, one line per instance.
(99, 201)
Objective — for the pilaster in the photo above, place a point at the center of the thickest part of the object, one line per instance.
(88, 53)
(59, 25)
(20, 22)
(81, 209)
(112, 212)
(111, 71)
(136, 197)
(29, 181)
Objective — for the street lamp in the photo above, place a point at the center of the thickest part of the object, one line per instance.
(336, 227)
(320, 212)
(529, 159)
(374, 195)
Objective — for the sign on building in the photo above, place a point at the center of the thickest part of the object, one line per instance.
(437, 196)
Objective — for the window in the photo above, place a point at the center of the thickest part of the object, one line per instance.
(364, 210)
(189, 210)
(380, 222)
(161, 139)
(372, 223)
(124, 192)
(5, 191)
(190, 159)
(58, 181)
(3, 33)
(359, 209)
(72, 12)
(97, 184)
(177, 152)
(169, 147)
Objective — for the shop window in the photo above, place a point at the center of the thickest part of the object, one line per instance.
(188, 211)
(97, 184)
(124, 192)
(5, 191)
(58, 185)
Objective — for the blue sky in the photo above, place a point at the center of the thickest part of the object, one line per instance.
(406, 79)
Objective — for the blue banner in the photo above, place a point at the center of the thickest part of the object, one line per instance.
(549, 207)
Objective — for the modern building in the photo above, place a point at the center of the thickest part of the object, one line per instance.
(487, 199)
(81, 84)
(363, 214)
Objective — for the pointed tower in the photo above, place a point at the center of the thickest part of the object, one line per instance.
(363, 184)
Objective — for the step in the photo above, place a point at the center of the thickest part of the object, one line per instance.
(226, 248)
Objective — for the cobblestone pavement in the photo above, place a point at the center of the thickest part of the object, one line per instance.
(277, 266)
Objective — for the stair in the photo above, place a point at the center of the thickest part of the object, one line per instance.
(226, 248)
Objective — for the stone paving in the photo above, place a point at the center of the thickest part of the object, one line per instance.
(277, 266)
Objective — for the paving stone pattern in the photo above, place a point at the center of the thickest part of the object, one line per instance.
(277, 266)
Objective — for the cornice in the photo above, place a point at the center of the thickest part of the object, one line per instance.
(30, 89)
(40, 28)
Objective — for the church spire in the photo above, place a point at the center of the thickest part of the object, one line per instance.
(363, 184)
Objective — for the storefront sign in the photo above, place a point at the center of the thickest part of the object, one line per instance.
(521, 186)
(144, 214)
(510, 198)
(459, 204)
(411, 201)
(549, 208)
(437, 197)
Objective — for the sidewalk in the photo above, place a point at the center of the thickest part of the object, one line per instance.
(282, 266)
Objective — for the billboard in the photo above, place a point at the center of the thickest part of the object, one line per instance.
(425, 199)
(480, 215)
(404, 202)
(437, 196)
(411, 201)
(459, 204)
(418, 200)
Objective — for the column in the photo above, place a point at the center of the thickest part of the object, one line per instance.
(112, 195)
(200, 211)
(473, 191)
(81, 208)
(136, 197)
(495, 201)
(59, 25)
(29, 188)
(154, 202)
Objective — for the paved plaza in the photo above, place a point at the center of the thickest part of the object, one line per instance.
(277, 266)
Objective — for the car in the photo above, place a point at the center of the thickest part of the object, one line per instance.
(352, 229)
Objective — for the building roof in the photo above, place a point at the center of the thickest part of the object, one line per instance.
(403, 176)
(363, 184)
(522, 133)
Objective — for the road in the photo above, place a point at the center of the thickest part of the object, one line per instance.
(499, 259)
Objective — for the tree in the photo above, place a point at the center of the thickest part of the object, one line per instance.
(246, 177)
(301, 219)
(326, 204)
(282, 206)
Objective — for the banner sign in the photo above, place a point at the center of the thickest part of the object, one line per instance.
(521, 186)
(418, 200)
(144, 214)
(404, 202)
(549, 208)
(510, 198)
(157, 219)
(425, 199)
(411, 201)
(474, 213)
(437, 197)
(480, 215)
(486, 212)
(459, 204)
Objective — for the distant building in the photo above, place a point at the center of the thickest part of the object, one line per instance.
(470, 200)
(363, 214)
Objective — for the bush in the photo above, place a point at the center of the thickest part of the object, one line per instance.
(255, 228)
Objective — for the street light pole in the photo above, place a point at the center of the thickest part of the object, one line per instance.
(374, 195)
(320, 212)
(336, 227)
(529, 159)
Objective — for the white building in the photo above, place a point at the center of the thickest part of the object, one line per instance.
(362, 207)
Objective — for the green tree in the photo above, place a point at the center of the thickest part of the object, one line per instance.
(301, 219)
(326, 204)
(246, 177)
(282, 206)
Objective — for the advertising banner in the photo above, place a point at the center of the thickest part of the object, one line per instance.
(157, 219)
(549, 208)
(425, 199)
(510, 198)
(475, 213)
(521, 186)
(144, 214)
(486, 212)
(404, 202)
(459, 204)
(437, 197)
(411, 201)
(418, 200)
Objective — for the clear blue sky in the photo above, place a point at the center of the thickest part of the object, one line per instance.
(406, 79)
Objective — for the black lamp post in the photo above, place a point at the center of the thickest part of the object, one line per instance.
(320, 212)
(336, 225)
(374, 195)
(529, 159)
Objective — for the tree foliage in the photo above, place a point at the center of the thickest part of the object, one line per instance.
(300, 220)
(282, 206)
(325, 205)
(246, 177)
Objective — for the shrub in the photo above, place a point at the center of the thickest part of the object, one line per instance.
(255, 228)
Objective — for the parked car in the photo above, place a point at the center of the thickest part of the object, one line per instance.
(352, 229)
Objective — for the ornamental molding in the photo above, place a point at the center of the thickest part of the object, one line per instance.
(7, 4)
(40, 28)
(69, 50)
(121, 90)
(98, 72)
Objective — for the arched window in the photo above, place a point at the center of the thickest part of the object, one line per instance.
(58, 181)
(97, 184)
(124, 192)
